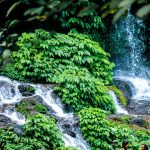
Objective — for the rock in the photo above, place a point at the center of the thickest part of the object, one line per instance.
(18, 129)
(26, 90)
(141, 121)
(68, 129)
(5, 122)
(7, 91)
(139, 107)
(6, 54)
(126, 87)
(32, 105)
(134, 106)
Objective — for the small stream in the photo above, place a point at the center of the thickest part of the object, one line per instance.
(10, 95)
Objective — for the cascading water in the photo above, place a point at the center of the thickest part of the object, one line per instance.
(119, 108)
(10, 95)
(127, 40)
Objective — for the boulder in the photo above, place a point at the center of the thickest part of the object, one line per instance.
(139, 107)
(5, 122)
(142, 121)
(26, 90)
(33, 105)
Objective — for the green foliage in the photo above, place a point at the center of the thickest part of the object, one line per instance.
(79, 66)
(42, 55)
(66, 148)
(45, 129)
(86, 20)
(96, 130)
(79, 89)
(40, 132)
(119, 94)
(101, 133)
(41, 109)
(13, 73)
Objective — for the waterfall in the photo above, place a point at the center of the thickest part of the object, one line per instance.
(119, 108)
(128, 44)
(10, 95)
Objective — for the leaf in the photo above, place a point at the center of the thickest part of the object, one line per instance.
(53, 4)
(126, 2)
(13, 23)
(145, 10)
(119, 13)
(12, 8)
(33, 11)
(87, 10)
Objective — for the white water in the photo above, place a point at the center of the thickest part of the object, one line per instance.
(130, 63)
(119, 108)
(9, 95)
(141, 87)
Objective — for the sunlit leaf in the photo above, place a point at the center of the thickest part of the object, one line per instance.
(126, 2)
(34, 11)
(119, 13)
(145, 10)
(53, 4)
(12, 8)
(13, 23)
(87, 10)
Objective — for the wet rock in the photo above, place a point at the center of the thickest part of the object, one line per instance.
(139, 107)
(141, 121)
(5, 122)
(7, 91)
(26, 90)
(134, 106)
(68, 129)
(18, 129)
(126, 87)
(32, 105)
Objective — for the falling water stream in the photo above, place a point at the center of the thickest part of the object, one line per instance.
(128, 39)
(10, 95)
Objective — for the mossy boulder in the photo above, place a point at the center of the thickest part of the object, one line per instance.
(26, 90)
(31, 106)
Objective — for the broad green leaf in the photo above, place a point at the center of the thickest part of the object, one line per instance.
(53, 4)
(13, 23)
(12, 8)
(126, 2)
(33, 11)
(145, 10)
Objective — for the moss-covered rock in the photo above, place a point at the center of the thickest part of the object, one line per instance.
(31, 106)
(119, 94)
(26, 90)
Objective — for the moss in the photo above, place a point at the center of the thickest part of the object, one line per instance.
(66, 148)
(41, 109)
(119, 94)
(31, 89)
(31, 107)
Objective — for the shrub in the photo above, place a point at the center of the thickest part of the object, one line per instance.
(79, 89)
(45, 129)
(102, 133)
(40, 132)
(66, 148)
(42, 55)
